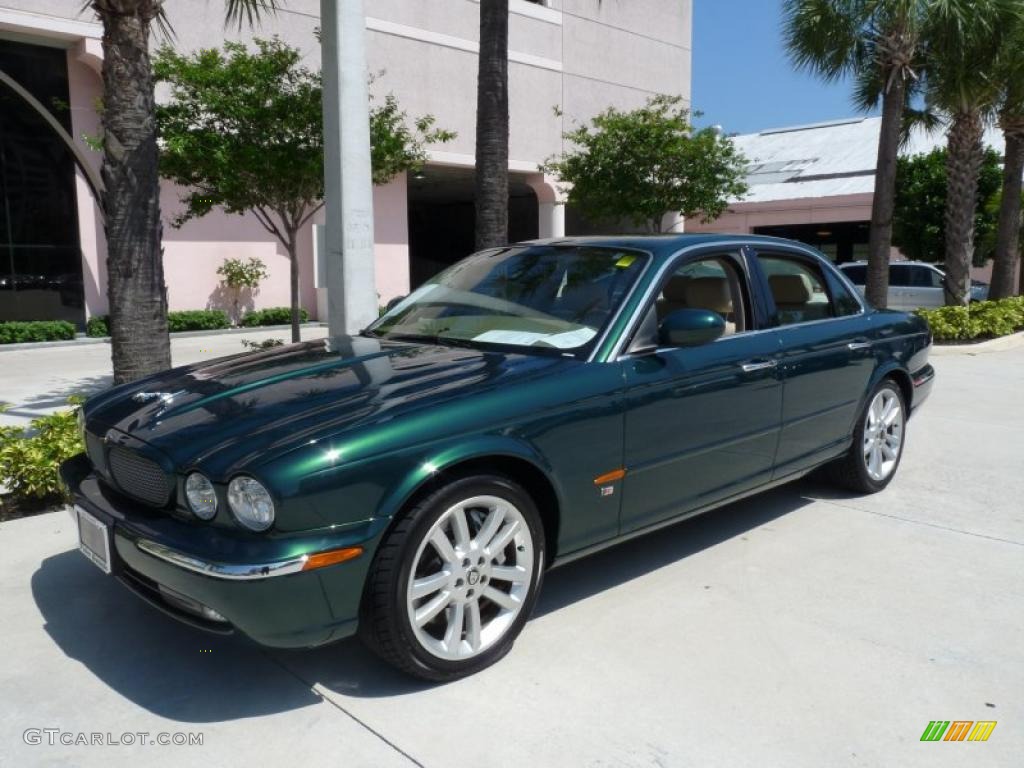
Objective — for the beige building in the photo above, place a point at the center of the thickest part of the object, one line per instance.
(579, 56)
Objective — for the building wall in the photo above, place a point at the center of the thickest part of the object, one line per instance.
(580, 56)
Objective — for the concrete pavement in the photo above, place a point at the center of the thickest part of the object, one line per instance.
(802, 627)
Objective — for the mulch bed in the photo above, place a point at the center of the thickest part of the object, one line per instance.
(13, 509)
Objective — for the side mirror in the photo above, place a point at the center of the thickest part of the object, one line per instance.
(690, 328)
(393, 303)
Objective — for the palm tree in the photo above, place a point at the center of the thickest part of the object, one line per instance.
(1010, 69)
(963, 40)
(131, 198)
(876, 42)
(492, 126)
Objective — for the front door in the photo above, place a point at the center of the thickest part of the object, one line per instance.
(701, 422)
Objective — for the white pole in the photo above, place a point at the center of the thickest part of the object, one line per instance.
(348, 184)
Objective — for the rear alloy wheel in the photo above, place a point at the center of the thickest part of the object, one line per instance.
(877, 447)
(455, 581)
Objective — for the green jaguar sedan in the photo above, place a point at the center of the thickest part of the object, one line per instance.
(530, 405)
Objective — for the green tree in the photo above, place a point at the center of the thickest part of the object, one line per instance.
(491, 179)
(1010, 73)
(877, 43)
(243, 131)
(921, 189)
(964, 38)
(642, 164)
(140, 344)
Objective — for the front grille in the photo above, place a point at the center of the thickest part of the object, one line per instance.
(139, 477)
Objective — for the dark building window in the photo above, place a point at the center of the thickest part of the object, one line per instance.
(40, 258)
(841, 241)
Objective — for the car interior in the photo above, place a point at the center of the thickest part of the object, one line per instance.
(798, 290)
(712, 284)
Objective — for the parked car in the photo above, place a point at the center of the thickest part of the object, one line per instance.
(912, 284)
(530, 405)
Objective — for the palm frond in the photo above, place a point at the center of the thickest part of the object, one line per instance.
(248, 12)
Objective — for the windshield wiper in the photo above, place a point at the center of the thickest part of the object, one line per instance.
(443, 341)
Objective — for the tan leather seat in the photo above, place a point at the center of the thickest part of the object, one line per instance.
(792, 294)
(711, 293)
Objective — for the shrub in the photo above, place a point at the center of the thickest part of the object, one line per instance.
(982, 319)
(30, 457)
(197, 320)
(272, 316)
(17, 331)
(97, 326)
(183, 320)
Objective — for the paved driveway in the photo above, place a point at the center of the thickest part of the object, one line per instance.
(799, 628)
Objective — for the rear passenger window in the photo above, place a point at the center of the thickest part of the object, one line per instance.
(798, 289)
(900, 276)
(925, 277)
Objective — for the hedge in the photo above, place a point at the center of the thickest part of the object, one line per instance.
(272, 316)
(979, 320)
(184, 320)
(16, 331)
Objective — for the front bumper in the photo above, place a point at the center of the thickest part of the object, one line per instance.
(255, 583)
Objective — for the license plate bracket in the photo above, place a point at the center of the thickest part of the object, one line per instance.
(93, 539)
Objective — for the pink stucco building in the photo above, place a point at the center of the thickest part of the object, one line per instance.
(581, 56)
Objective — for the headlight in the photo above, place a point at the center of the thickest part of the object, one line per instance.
(251, 503)
(201, 496)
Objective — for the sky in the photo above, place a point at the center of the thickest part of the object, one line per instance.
(742, 78)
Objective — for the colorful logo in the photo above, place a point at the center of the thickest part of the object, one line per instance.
(958, 730)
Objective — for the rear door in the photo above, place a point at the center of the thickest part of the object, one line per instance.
(826, 360)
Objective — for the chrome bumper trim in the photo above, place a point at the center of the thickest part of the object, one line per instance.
(230, 571)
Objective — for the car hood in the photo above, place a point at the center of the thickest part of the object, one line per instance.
(251, 407)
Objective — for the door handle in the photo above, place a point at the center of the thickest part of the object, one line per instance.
(853, 346)
(758, 365)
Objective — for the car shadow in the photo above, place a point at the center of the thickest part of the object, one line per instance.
(187, 675)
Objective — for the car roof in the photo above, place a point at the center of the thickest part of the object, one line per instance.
(663, 245)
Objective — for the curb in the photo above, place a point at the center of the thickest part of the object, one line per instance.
(83, 340)
(1012, 341)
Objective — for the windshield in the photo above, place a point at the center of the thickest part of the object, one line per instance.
(545, 297)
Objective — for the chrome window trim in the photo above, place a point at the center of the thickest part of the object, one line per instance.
(228, 571)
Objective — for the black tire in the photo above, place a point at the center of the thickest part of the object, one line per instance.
(850, 470)
(385, 626)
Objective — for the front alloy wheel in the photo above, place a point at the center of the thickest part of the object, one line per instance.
(454, 582)
(471, 578)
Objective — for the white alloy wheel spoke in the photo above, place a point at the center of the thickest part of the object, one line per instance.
(428, 585)
(444, 547)
(456, 618)
(473, 626)
(503, 599)
(514, 574)
(427, 612)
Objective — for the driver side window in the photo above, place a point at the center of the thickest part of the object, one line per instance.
(713, 283)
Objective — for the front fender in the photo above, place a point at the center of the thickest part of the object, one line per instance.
(440, 459)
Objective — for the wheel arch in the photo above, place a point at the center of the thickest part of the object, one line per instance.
(507, 458)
